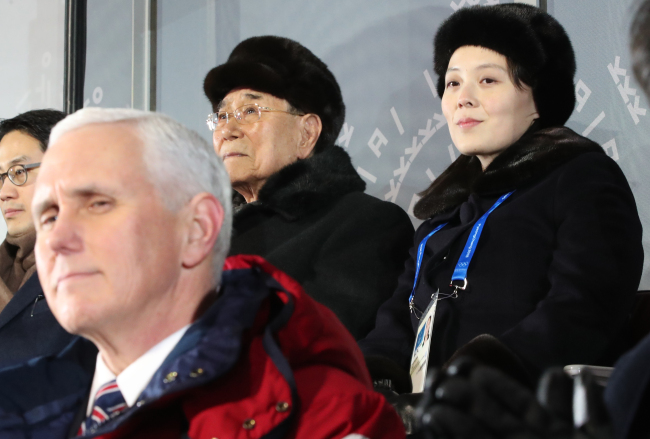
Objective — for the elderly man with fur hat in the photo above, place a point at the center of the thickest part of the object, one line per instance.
(298, 200)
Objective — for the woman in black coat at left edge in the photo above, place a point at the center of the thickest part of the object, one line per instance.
(556, 268)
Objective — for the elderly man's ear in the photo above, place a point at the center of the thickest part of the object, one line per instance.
(203, 224)
(311, 129)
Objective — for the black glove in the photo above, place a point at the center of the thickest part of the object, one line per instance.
(469, 401)
(403, 404)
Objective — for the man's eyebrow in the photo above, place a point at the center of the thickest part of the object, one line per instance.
(80, 192)
(19, 159)
(253, 96)
(41, 206)
(22, 158)
(91, 189)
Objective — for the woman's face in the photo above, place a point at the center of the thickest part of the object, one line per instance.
(485, 112)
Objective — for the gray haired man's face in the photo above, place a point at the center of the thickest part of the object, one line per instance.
(107, 248)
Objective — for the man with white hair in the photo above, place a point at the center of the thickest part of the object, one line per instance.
(133, 218)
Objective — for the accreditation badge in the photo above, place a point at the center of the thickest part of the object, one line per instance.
(420, 357)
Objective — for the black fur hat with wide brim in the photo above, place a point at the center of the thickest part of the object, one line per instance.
(287, 70)
(528, 36)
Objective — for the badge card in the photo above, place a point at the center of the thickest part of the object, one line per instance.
(420, 357)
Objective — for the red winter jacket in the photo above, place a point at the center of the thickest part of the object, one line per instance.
(298, 372)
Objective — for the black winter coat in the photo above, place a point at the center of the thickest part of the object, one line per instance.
(556, 268)
(27, 327)
(313, 221)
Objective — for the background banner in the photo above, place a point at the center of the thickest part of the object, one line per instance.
(379, 50)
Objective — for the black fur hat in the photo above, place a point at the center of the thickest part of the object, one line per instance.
(287, 70)
(526, 35)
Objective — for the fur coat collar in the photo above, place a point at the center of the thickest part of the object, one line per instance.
(534, 155)
(306, 185)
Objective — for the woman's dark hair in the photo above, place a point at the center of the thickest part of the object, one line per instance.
(519, 76)
(35, 123)
(640, 45)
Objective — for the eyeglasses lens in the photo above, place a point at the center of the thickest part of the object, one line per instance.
(248, 114)
(17, 174)
(244, 115)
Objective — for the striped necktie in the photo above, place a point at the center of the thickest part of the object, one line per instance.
(109, 403)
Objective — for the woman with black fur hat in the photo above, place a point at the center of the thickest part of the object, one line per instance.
(298, 200)
(532, 236)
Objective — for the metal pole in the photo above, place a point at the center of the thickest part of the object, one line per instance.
(75, 55)
(143, 54)
(539, 3)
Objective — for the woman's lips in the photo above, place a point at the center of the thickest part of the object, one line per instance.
(468, 123)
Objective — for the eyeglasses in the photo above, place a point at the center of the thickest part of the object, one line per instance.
(249, 113)
(17, 174)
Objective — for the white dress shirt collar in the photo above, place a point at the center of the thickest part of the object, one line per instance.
(133, 380)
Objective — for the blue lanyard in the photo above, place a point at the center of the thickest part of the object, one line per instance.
(418, 262)
(460, 272)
